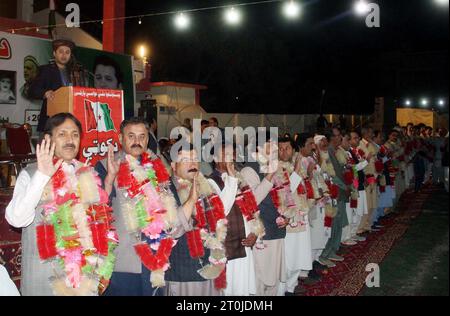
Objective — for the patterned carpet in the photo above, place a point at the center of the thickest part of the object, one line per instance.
(348, 277)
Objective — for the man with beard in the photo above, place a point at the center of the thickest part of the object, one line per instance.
(55, 156)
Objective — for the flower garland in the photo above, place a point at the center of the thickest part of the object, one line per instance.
(149, 209)
(210, 230)
(76, 232)
(246, 202)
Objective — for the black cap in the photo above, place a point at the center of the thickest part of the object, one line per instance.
(62, 42)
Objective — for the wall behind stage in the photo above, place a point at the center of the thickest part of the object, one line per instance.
(416, 116)
(88, 57)
(14, 50)
(21, 54)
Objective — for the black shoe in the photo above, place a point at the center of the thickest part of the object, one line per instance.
(319, 267)
(300, 290)
(289, 294)
(310, 281)
(314, 275)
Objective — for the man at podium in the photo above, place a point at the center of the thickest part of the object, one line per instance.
(53, 76)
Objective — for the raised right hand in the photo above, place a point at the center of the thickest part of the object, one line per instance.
(113, 165)
(44, 154)
(49, 95)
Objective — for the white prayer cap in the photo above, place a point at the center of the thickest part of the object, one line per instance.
(318, 138)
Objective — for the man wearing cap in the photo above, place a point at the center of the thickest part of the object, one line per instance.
(51, 77)
(30, 71)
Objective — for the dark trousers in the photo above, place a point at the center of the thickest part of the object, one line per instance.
(334, 243)
(418, 182)
(132, 284)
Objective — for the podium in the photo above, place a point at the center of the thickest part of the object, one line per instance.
(100, 112)
(62, 102)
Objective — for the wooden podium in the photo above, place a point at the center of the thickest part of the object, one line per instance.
(100, 112)
(62, 103)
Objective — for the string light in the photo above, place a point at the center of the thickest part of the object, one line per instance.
(182, 21)
(291, 9)
(361, 7)
(442, 2)
(233, 16)
(424, 102)
(140, 21)
(156, 14)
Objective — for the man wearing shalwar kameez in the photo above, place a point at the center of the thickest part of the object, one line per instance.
(369, 151)
(197, 262)
(335, 173)
(269, 253)
(295, 207)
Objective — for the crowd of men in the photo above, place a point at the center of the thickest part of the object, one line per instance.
(284, 226)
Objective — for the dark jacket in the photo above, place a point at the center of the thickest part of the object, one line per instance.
(48, 78)
(268, 211)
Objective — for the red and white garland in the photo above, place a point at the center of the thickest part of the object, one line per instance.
(210, 230)
(149, 209)
(77, 232)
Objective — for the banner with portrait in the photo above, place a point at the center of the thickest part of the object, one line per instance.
(20, 58)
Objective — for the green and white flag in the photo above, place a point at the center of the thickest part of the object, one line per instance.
(98, 116)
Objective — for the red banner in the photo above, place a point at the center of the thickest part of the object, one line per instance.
(100, 112)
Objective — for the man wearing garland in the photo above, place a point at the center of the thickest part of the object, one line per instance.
(360, 159)
(370, 152)
(317, 199)
(295, 207)
(269, 253)
(138, 185)
(198, 260)
(67, 237)
(351, 178)
(338, 191)
(244, 227)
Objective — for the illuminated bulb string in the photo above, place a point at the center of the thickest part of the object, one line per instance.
(151, 15)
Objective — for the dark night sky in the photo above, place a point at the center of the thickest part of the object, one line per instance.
(276, 66)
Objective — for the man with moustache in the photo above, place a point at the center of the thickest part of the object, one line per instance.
(188, 276)
(130, 276)
(59, 149)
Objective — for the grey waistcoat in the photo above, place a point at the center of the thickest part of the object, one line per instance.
(127, 260)
(35, 274)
